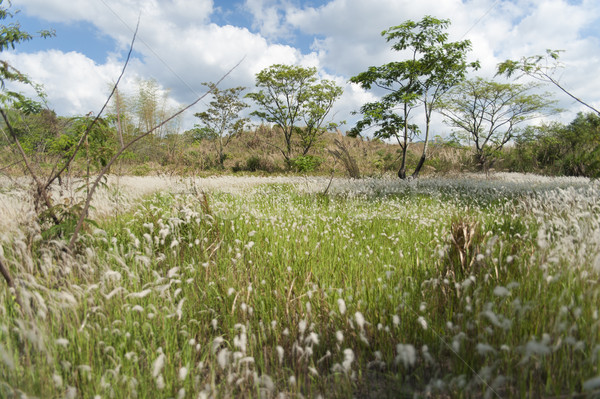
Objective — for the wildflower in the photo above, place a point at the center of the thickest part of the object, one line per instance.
(62, 342)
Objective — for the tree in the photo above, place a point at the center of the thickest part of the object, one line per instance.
(490, 113)
(433, 67)
(541, 68)
(294, 99)
(554, 148)
(10, 36)
(221, 120)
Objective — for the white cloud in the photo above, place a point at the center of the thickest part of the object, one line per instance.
(74, 83)
(181, 48)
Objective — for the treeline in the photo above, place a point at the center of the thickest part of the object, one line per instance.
(557, 149)
(297, 133)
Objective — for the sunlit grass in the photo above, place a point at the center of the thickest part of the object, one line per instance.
(452, 287)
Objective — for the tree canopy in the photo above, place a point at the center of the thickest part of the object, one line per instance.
(489, 113)
(294, 99)
(433, 67)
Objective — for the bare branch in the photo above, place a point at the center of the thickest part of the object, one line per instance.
(90, 194)
(89, 128)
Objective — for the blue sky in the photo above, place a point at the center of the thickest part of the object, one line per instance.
(83, 37)
(183, 43)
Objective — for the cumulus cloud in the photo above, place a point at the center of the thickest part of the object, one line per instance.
(180, 46)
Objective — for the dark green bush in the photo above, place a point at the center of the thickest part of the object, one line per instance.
(305, 163)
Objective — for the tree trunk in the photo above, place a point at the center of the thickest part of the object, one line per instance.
(419, 166)
(402, 171)
(425, 146)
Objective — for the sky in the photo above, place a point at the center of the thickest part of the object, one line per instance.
(183, 43)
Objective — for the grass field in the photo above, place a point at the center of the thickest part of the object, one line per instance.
(266, 287)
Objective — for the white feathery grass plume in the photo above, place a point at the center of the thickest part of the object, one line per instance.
(58, 381)
(223, 358)
(360, 320)
(501, 291)
(158, 364)
(312, 338)
(339, 336)
(341, 306)
(280, 353)
(141, 294)
(217, 344)
(160, 382)
(183, 372)
(179, 311)
(267, 382)
(6, 358)
(484, 349)
(71, 393)
(348, 359)
(592, 384)
(421, 320)
(302, 326)
(406, 354)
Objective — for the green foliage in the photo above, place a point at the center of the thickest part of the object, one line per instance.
(100, 144)
(305, 163)
(292, 98)
(434, 67)
(253, 163)
(572, 150)
(221, 121)
(385, 161)
(141, 170)
(488, 114)
(11, 35)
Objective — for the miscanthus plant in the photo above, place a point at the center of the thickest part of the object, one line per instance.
(268, 288)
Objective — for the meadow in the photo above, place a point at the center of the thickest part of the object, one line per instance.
(290, 287)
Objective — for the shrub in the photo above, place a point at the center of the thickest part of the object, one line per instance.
(305, 163)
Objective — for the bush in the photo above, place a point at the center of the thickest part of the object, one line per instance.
(254, 164)
(305, 163)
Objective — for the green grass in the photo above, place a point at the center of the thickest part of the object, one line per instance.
(279, 291)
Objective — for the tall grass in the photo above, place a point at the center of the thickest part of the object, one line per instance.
(461, 288)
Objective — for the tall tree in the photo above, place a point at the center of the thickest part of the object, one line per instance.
(541, 68)
(222, 119)
(490, 113)
(434, 66)
(292, 98)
